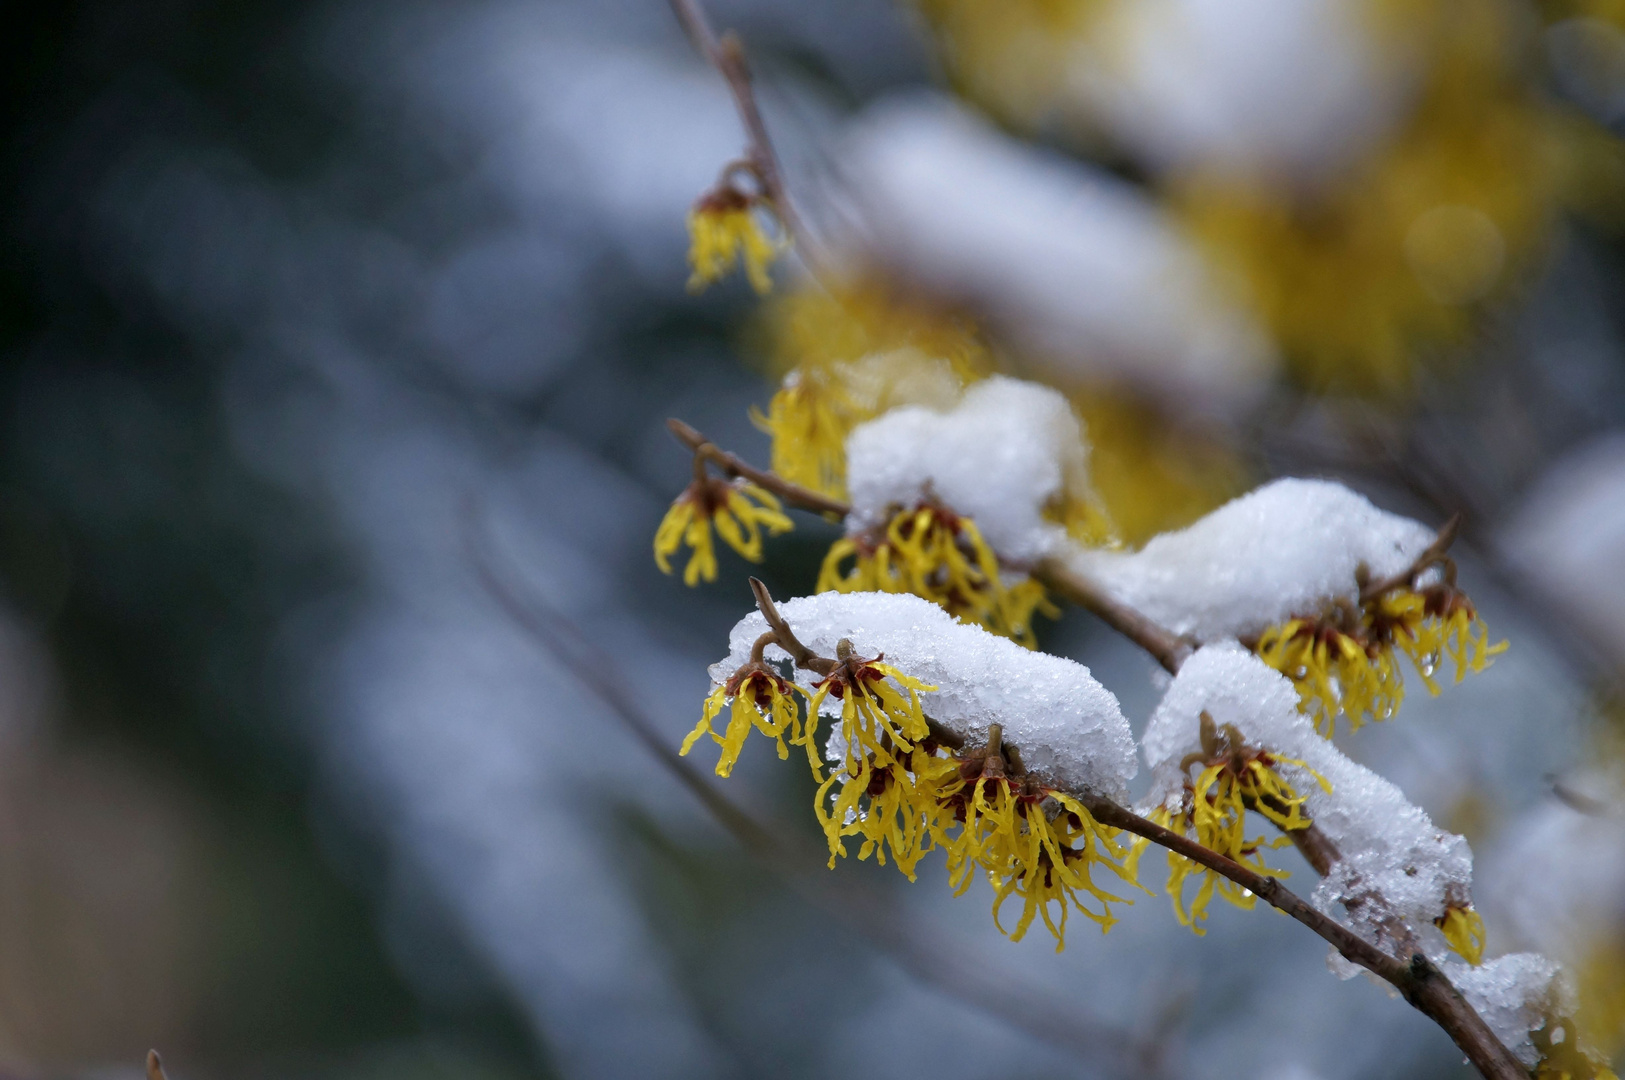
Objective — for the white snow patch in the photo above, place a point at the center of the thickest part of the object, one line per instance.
(1067, 726)
(1008, 449)
(1282, 550)
(1515, 994)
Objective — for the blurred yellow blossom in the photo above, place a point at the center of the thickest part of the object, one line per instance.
(723, 229)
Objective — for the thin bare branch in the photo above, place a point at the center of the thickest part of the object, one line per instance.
(928, 953)
(1432, 554)
(734, 465)
(1166, 647)
(1418, 981)
(727, 55)
(799, 653)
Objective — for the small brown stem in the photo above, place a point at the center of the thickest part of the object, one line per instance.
(942, 736)
(757, 654)
(1167, 648)
(785, 637)
(1419, 981)
(1434, 553)
(1316, 847)
(734, 465)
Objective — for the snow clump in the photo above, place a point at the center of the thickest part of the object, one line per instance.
(1068, 727)
(1280, 551)
(1515, 994)
(1009, 449)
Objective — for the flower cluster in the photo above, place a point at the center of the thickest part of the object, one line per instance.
(1030, 841)
(1234, 779)
(740, 511)
(887, 763)
(898, 786)
(1346, 659)
(936, 554)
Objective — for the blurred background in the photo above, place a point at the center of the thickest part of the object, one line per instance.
(297, 297)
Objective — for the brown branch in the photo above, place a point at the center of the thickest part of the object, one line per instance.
(1419, 981)
(727, 55)
(926, 952)
(1166, 647)
(734, 465)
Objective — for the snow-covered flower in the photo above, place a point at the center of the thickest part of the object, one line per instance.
(1234, 778)
(1327, 588)
(1394, 872)
(955, 504)
(948, 736)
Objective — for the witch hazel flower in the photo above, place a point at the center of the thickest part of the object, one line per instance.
(1394, 877)
(1325, 587)
(957, 506)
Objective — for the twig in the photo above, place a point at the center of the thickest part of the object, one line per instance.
(1166, 647)
(734, 465)
(799, 653)
(926, 952)
(1433, 553)
(727, 55)
(1419, 981)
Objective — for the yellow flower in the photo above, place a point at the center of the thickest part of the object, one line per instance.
(892, 804)
(723, 229)
(1434, 623)
(1463, 928)
(846, 352)
(1235, 778)
(740, 512)
(1335, 671)
(1030, 841)
(936, 554)
(761, 699)
(1346, 661)
(881, 730)
(808, 421)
